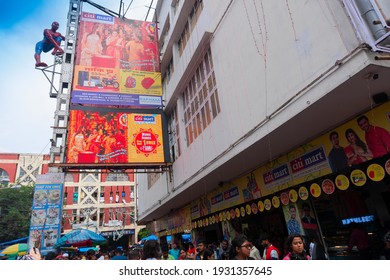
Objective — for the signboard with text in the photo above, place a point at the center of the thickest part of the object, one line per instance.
(45, 226)
(117, 63)
(115, 137)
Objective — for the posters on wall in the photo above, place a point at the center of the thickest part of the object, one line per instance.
(357, 141)
(45, 225)
(117, 63)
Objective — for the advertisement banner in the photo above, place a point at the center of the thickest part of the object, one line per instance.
(114, 137)
(45, 226)
(359, 140)
(117, 60)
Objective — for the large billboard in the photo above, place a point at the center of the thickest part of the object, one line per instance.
(46, 214)
(117, 63)
(104, 136)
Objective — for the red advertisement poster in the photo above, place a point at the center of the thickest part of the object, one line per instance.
(117, 63)
(109, 137)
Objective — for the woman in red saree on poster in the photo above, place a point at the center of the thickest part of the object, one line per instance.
(150, 47)
(357, 151)
(121, 145)
(78, 145)
(94, 142)
(109, 147)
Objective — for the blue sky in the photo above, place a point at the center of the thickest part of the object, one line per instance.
(26, 110)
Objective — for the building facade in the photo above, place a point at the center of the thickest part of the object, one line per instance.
(253, 91)
(101, 202)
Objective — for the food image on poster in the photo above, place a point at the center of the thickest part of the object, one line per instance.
(284, 198)
(328, 186)
(303, 193)
(375, 172)
(53, 196)
(52, 217)
(35, 238)
(267, 204)
(242, 210)
(38, 217)
(50, 237)
(228, 215)
(40, 197)
(248, 209)
(342, 182)
(275, 201)
(260, 205)
(358, 178)
(387, 166)
(293, 195)
(315, 190)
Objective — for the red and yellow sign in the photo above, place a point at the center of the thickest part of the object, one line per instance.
(358, 178)
(114, 137)
(342, 182)
(375, 172)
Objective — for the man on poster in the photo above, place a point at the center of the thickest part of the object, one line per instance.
(51, 40)
(337, 158)
(293, 225)
(377, 138)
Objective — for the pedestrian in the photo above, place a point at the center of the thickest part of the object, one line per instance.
(270, 251)
(241, 248)
(317, 250)
(223, 249)
(295, 247)
(208, 255)
(174, 251)
(200, 248)
(152, 250)
(165, 253)
(255, 253)
(359, 237)
(134, 255)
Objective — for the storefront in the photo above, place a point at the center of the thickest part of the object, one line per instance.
(317, 190)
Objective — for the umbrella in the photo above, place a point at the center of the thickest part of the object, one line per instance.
(150, 237)
(80, 238)
(15, 250)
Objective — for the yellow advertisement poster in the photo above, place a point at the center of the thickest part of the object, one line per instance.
(141, 82)
(145, 139)
(363, 138)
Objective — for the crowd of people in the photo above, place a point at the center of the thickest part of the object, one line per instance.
(296, 247)
(240, 248)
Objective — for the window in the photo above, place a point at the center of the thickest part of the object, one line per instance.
(200, 99)
(190, 25)
(153, 176)
(4, 178)
(174, 134)
(168, 73)
(114, 177)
